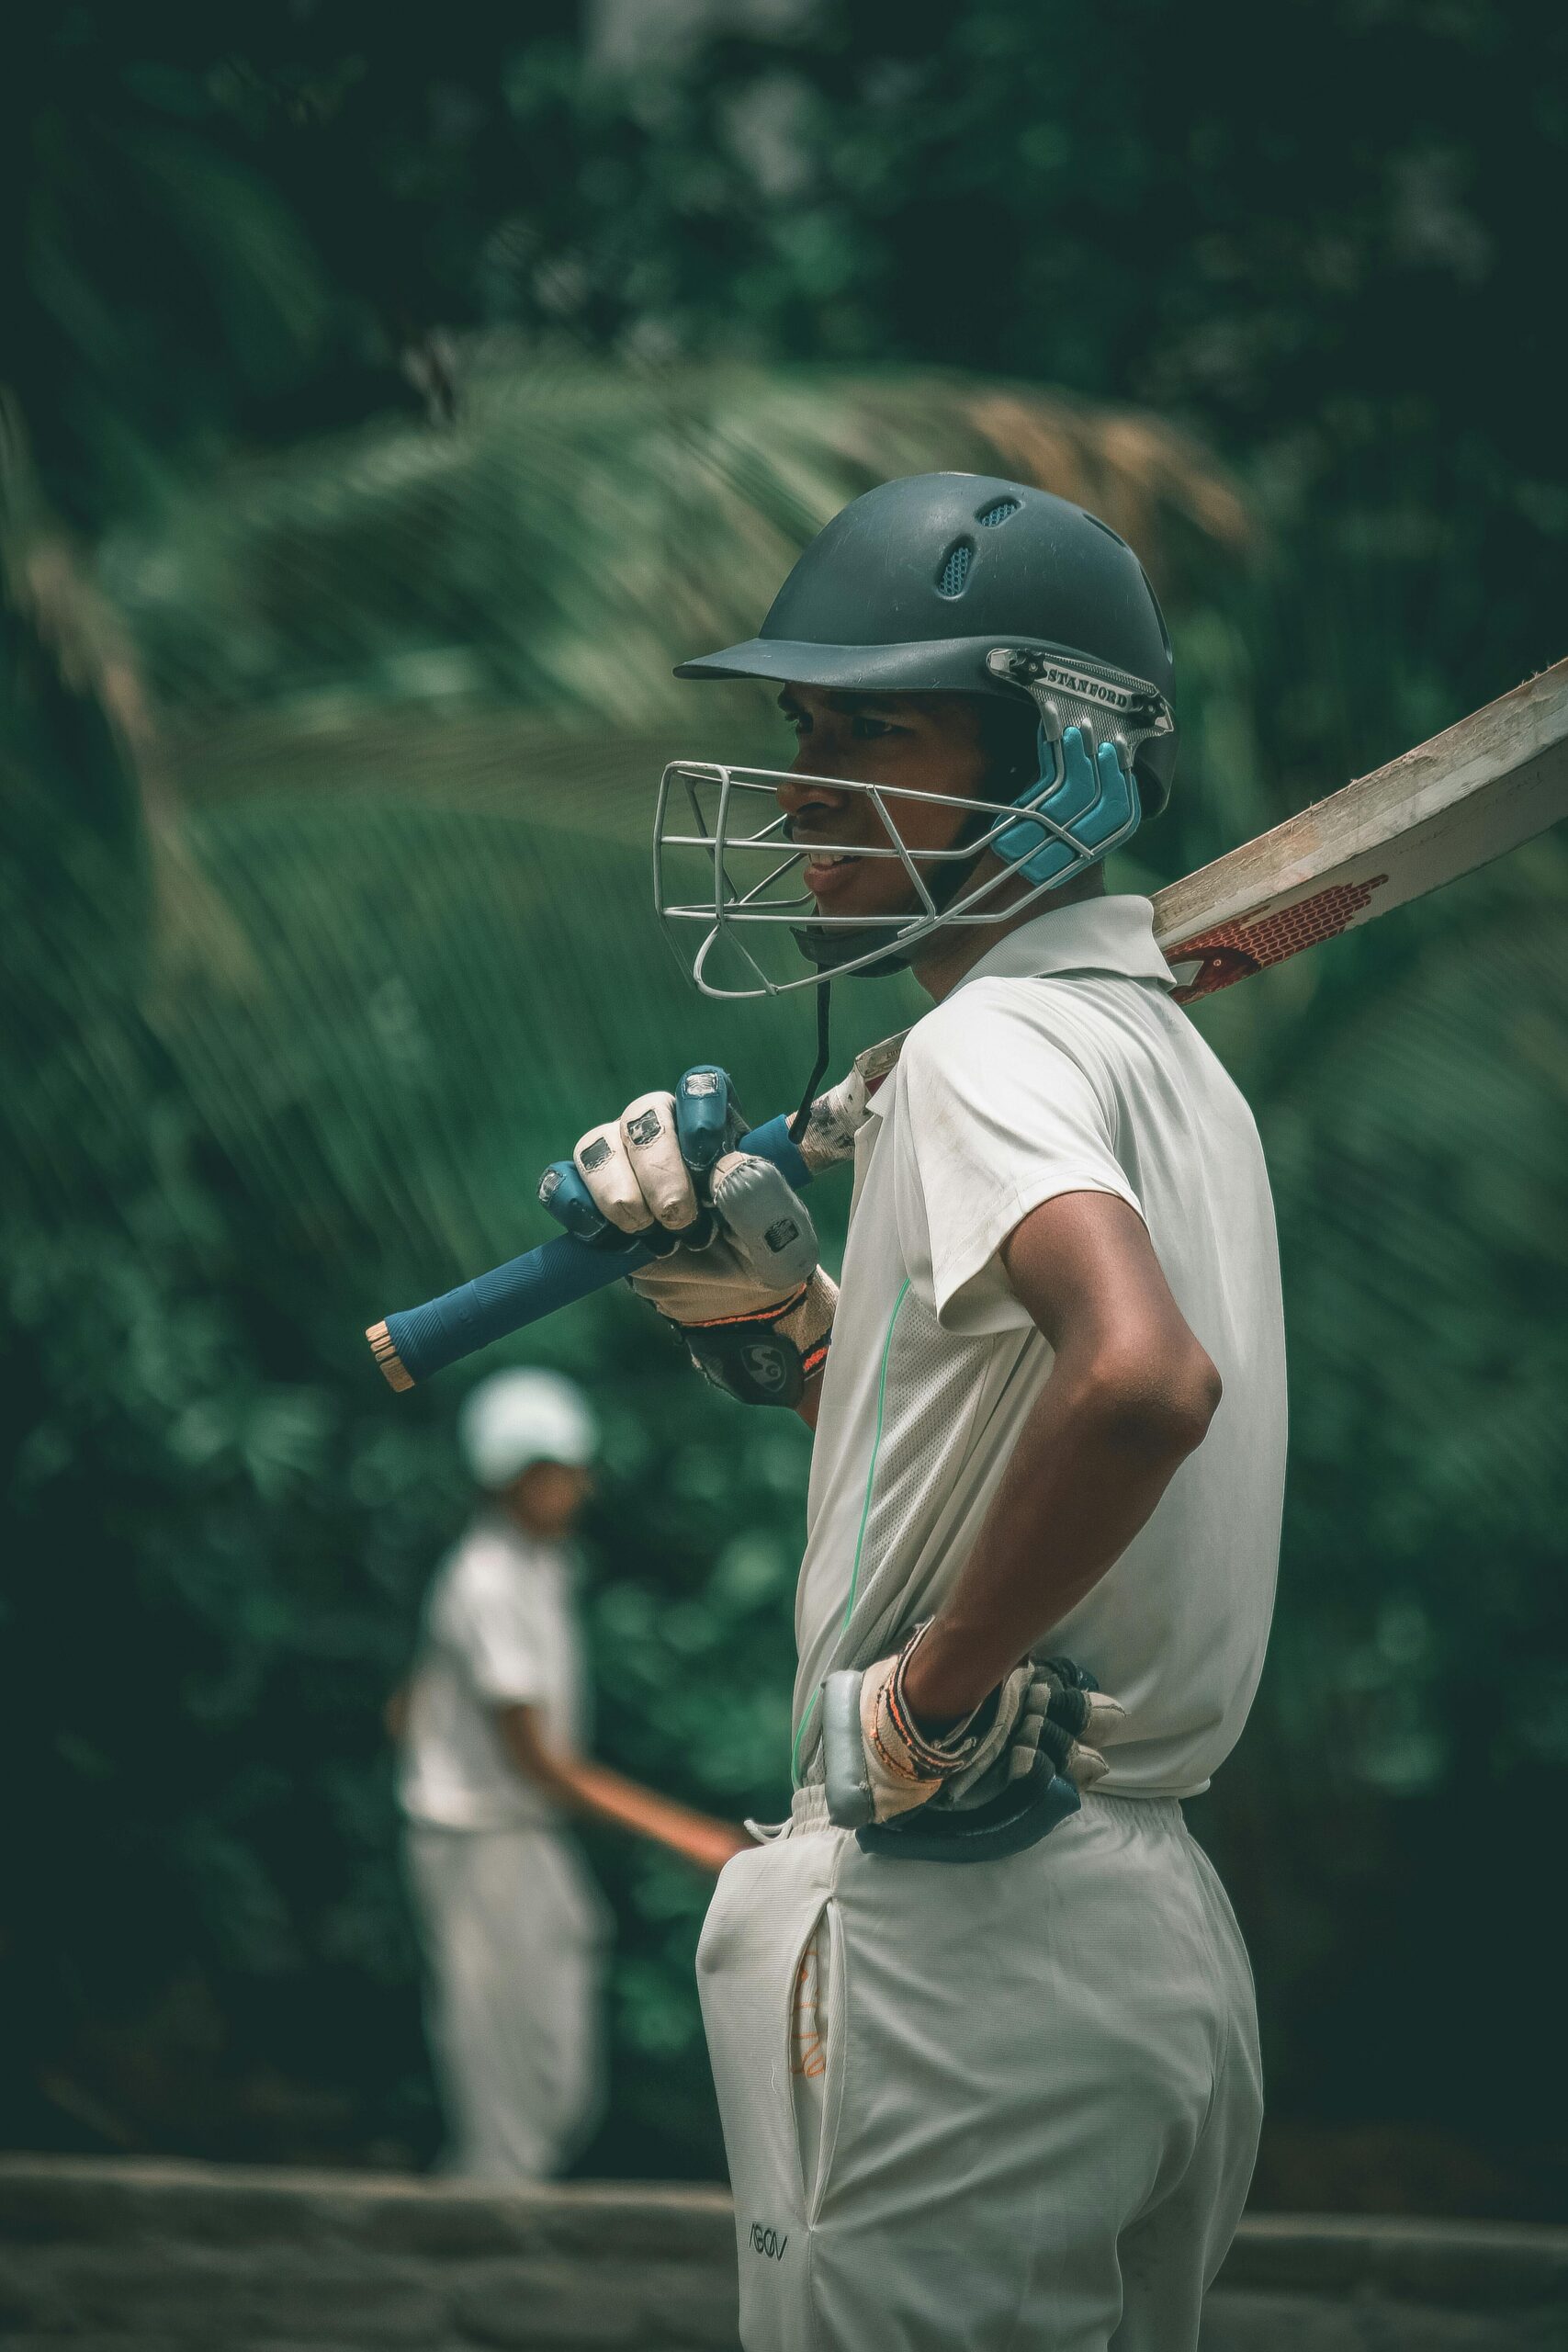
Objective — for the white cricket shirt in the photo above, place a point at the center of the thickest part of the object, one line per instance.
(1059, 1064)
(499, 1629)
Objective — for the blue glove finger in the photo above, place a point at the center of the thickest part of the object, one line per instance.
(705, 1115)
(563, 1193)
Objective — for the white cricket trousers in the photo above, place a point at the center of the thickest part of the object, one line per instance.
(1009, 2105)
(513, 1931)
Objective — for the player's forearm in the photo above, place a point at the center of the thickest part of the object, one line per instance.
(696, 1837)
(1101, 1445)
(607, 1795)
(599, 1795)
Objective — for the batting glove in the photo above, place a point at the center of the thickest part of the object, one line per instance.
(738, 1272)
(1032, 1744)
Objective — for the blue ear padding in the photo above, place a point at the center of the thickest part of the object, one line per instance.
(1096, 799)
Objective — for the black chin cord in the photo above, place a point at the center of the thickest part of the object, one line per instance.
(797, 1125)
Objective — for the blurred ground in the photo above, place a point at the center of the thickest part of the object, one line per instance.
(142, 2256)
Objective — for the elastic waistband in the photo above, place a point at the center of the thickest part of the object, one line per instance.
(1138, 1812)
(808, 1810)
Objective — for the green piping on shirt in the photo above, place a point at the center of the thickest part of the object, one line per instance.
(864, 1522)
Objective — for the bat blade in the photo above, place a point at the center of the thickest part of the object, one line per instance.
(1472, 793)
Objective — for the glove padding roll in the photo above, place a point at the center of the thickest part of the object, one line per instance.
(837, 1117)
(994, 1785)
(761, 1248)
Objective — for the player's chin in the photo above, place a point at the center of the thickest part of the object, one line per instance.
(856, 891)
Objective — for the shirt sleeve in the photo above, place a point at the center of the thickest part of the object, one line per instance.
(492, 1620)
(1004, 1105)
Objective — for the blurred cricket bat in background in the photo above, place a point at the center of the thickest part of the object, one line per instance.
(1479, 789)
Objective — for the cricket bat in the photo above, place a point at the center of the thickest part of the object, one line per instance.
(1472, 793)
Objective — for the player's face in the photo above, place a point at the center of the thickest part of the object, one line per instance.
(545, 1500)
(913, 745)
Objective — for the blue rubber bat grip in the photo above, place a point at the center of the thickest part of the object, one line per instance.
(420, 1340)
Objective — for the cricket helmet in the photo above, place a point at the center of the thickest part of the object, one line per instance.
(943, 583)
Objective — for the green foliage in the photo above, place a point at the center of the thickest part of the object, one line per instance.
(348, 1022)
(324, 775)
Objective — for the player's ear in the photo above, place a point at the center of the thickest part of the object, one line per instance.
(1009, 739)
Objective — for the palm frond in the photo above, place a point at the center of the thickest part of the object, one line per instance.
(578, 529)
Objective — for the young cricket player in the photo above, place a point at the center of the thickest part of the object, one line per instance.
(491, 1728)
(980, 2085)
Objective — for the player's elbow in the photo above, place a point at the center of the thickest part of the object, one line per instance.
(1160, 1401)
(533, 1756)
(1201, 1390)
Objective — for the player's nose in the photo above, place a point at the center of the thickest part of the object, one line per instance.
(805, 787)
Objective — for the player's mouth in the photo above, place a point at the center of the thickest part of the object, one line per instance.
(827, 870)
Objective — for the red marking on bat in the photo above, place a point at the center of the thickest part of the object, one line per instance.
(1233, 950)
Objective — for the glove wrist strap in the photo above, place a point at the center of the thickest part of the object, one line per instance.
(767, 1357)
(932, 1758)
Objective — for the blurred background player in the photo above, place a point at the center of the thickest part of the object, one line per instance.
(491, 1726)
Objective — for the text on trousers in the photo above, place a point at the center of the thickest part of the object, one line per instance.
(768, 2241)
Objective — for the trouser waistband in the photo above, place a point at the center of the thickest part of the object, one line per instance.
(808, 1808)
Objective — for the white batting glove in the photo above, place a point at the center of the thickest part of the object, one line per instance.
(739, 1271)
(878, 1764)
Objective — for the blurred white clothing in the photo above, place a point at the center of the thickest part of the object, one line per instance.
(513, 1926)
(515, 1932)
(499, 1630)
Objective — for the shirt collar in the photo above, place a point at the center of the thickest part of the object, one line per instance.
(1111, 934)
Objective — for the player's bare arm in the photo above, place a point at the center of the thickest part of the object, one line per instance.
(596, 1794)
(1130, 1395)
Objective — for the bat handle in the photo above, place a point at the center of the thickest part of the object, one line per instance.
(418, 1341)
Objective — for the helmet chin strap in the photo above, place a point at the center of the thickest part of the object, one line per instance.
(798, 1124)
(828, 949)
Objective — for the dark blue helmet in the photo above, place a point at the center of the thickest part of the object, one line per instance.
(920, 584)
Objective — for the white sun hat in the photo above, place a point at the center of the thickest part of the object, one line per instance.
(517, 1419)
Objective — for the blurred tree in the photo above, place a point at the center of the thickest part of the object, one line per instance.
(274, 880)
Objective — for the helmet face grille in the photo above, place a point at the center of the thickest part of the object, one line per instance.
(956, 568)
(998, 514)
(724, 860)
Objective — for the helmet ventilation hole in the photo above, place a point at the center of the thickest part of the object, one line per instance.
(955, 569)
(992, 515)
